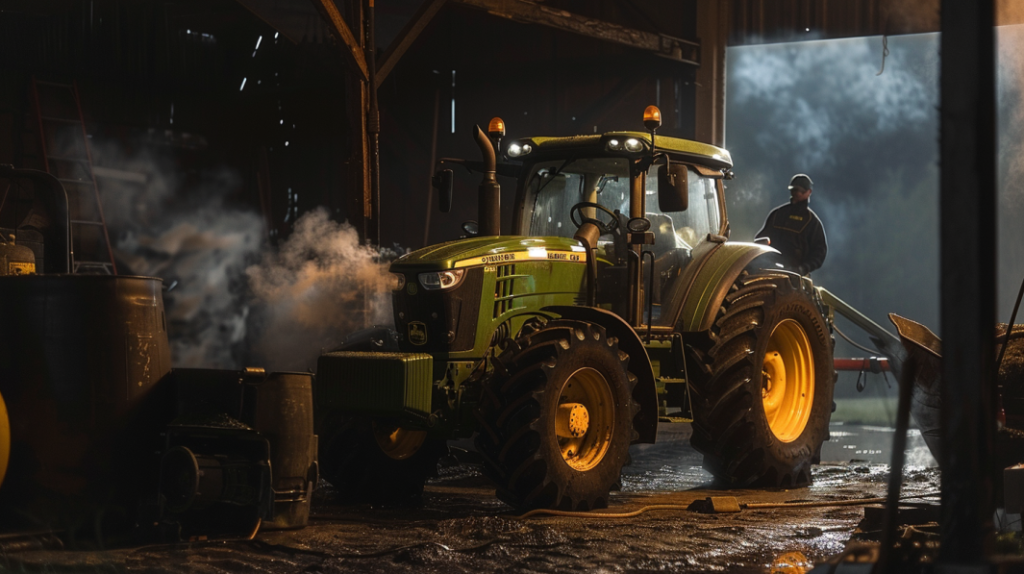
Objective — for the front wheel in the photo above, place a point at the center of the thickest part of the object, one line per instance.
(557, 417)
(377, 461)
(763, 392)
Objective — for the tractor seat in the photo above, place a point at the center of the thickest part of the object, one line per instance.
(671, 254)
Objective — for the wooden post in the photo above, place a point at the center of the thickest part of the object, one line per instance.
(712, 25)
(967, 265)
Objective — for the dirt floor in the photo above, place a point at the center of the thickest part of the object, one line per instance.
(462, 527)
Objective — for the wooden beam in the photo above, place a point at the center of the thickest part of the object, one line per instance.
(967, 265)
(530, 12)
(406, 37)
(713, 18)
(354, 53)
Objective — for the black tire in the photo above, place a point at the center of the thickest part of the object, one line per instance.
(360, 470)
(732, 386)
(518, 440)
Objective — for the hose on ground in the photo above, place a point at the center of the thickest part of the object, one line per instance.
(745, 506)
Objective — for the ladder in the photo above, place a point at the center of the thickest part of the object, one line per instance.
(66, 155)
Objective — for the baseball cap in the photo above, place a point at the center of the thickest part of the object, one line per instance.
(801, 180)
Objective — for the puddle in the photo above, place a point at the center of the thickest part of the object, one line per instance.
(672, 465)
(873, 444)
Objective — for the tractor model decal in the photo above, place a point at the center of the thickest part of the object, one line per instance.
(531, 254)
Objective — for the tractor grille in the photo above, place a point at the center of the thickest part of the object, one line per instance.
(447, 319)
(504, 290)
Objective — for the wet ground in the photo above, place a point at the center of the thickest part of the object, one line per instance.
(462, 527)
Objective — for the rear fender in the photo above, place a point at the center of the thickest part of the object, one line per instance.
(646, 392)
(712, 281)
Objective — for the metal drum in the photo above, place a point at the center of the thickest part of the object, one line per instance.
(244, 421)
(284, 415)
(80, 359)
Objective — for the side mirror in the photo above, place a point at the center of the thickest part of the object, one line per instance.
(471, 228)
(442, 182)
(673, 188)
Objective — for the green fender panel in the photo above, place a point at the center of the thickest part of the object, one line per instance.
(646, 392)
(711, 282)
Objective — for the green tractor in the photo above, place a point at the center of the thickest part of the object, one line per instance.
(617, 302)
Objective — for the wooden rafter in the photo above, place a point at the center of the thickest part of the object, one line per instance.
(530, 12)
(407, 36)
(354, 53)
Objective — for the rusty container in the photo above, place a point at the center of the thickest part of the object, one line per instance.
(81, 359)
(283, 413)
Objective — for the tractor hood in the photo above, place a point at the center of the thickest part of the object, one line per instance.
(478, 251)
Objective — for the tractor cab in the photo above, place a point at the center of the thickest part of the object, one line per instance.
(651, 204)
(614, 180)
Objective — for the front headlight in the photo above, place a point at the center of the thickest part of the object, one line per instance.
(517, 150)
(441, 279)
(398, 281)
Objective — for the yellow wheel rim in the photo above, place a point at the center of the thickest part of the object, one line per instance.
(588, 413)
(787, 380)
(397, 442)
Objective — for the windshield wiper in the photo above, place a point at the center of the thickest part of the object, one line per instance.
(551, 175)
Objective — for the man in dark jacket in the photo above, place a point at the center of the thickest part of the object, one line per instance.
(795, 230)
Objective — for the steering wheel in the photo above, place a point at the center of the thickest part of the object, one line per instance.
(604, 227)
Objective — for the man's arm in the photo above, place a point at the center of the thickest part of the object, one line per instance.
(817, 249)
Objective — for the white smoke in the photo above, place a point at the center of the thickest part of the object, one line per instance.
(181, 228)
(235, 302)
(321, 285)
(203, 255)
(819, 92)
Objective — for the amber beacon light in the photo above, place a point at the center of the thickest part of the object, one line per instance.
(497, 127)
(652, 118)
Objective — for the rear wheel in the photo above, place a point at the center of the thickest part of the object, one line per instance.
(377, 461)
(557, 417)
(763, 394)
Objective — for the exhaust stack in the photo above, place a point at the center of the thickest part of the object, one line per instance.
(489, 214)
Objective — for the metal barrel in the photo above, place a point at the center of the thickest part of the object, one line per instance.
(81, 357)
(283, 413)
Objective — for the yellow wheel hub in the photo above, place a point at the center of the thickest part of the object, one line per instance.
(397, 442)
(585, 419)
(787, 380)
(572, 420)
